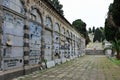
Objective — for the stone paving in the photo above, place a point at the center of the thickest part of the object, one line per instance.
(92, 67)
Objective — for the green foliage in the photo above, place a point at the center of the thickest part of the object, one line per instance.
(57, 6)
(97, 35)
(90, 30)
(116, 61)
(102, 33)
(81, 27)
(115, 46)
(113, 31)
(111, 7)
(116, 12)
(110, 32)
(93, 30)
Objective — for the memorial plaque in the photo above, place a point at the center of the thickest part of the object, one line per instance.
(11, 63)
(34, 59)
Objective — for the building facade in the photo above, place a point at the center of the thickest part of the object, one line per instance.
(32, 32)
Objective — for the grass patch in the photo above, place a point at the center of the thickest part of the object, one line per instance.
(114, 60)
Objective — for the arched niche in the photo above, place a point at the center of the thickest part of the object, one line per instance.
(56, 27)
(48, 22)
(35, 14)
(67, 34)
(62, 30)
(73, 37)
(70, 34)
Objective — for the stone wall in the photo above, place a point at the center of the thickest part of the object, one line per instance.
(94, 52)
(33, 35)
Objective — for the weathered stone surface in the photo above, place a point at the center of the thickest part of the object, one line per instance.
(94, 52)
(50, 64)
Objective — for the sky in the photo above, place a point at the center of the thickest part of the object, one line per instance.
(92, 12)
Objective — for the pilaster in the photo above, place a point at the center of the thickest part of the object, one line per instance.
(26, 48)
(53, 52)
(42, 43)
(1, 23)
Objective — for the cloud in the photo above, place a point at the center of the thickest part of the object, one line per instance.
(92, 12)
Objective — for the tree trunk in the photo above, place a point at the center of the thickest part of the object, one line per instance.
(118, 55)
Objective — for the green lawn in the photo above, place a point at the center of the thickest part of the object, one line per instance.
(114, 60)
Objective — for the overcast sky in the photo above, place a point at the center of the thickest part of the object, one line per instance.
(92, 12)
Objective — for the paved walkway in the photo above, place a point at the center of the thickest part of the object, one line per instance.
(84, 68)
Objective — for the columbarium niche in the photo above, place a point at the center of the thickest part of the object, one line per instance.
(48, 39)
(12, 41)
(62, 42)
(56, 40)
(71, 47)
(67, 45)
(73, 43)
(35, 43)
(76, 48)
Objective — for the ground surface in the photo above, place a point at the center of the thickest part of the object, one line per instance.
(84, 68)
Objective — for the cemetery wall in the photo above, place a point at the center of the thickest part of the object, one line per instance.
(32, 33)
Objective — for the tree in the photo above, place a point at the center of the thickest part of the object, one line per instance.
(102, 33)
(116, 16)
(81, 27)
(110, 32)
(56, 4)
(112, 27)
(116, 12)
(90, 31)
(97, 35)
(93, 30)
